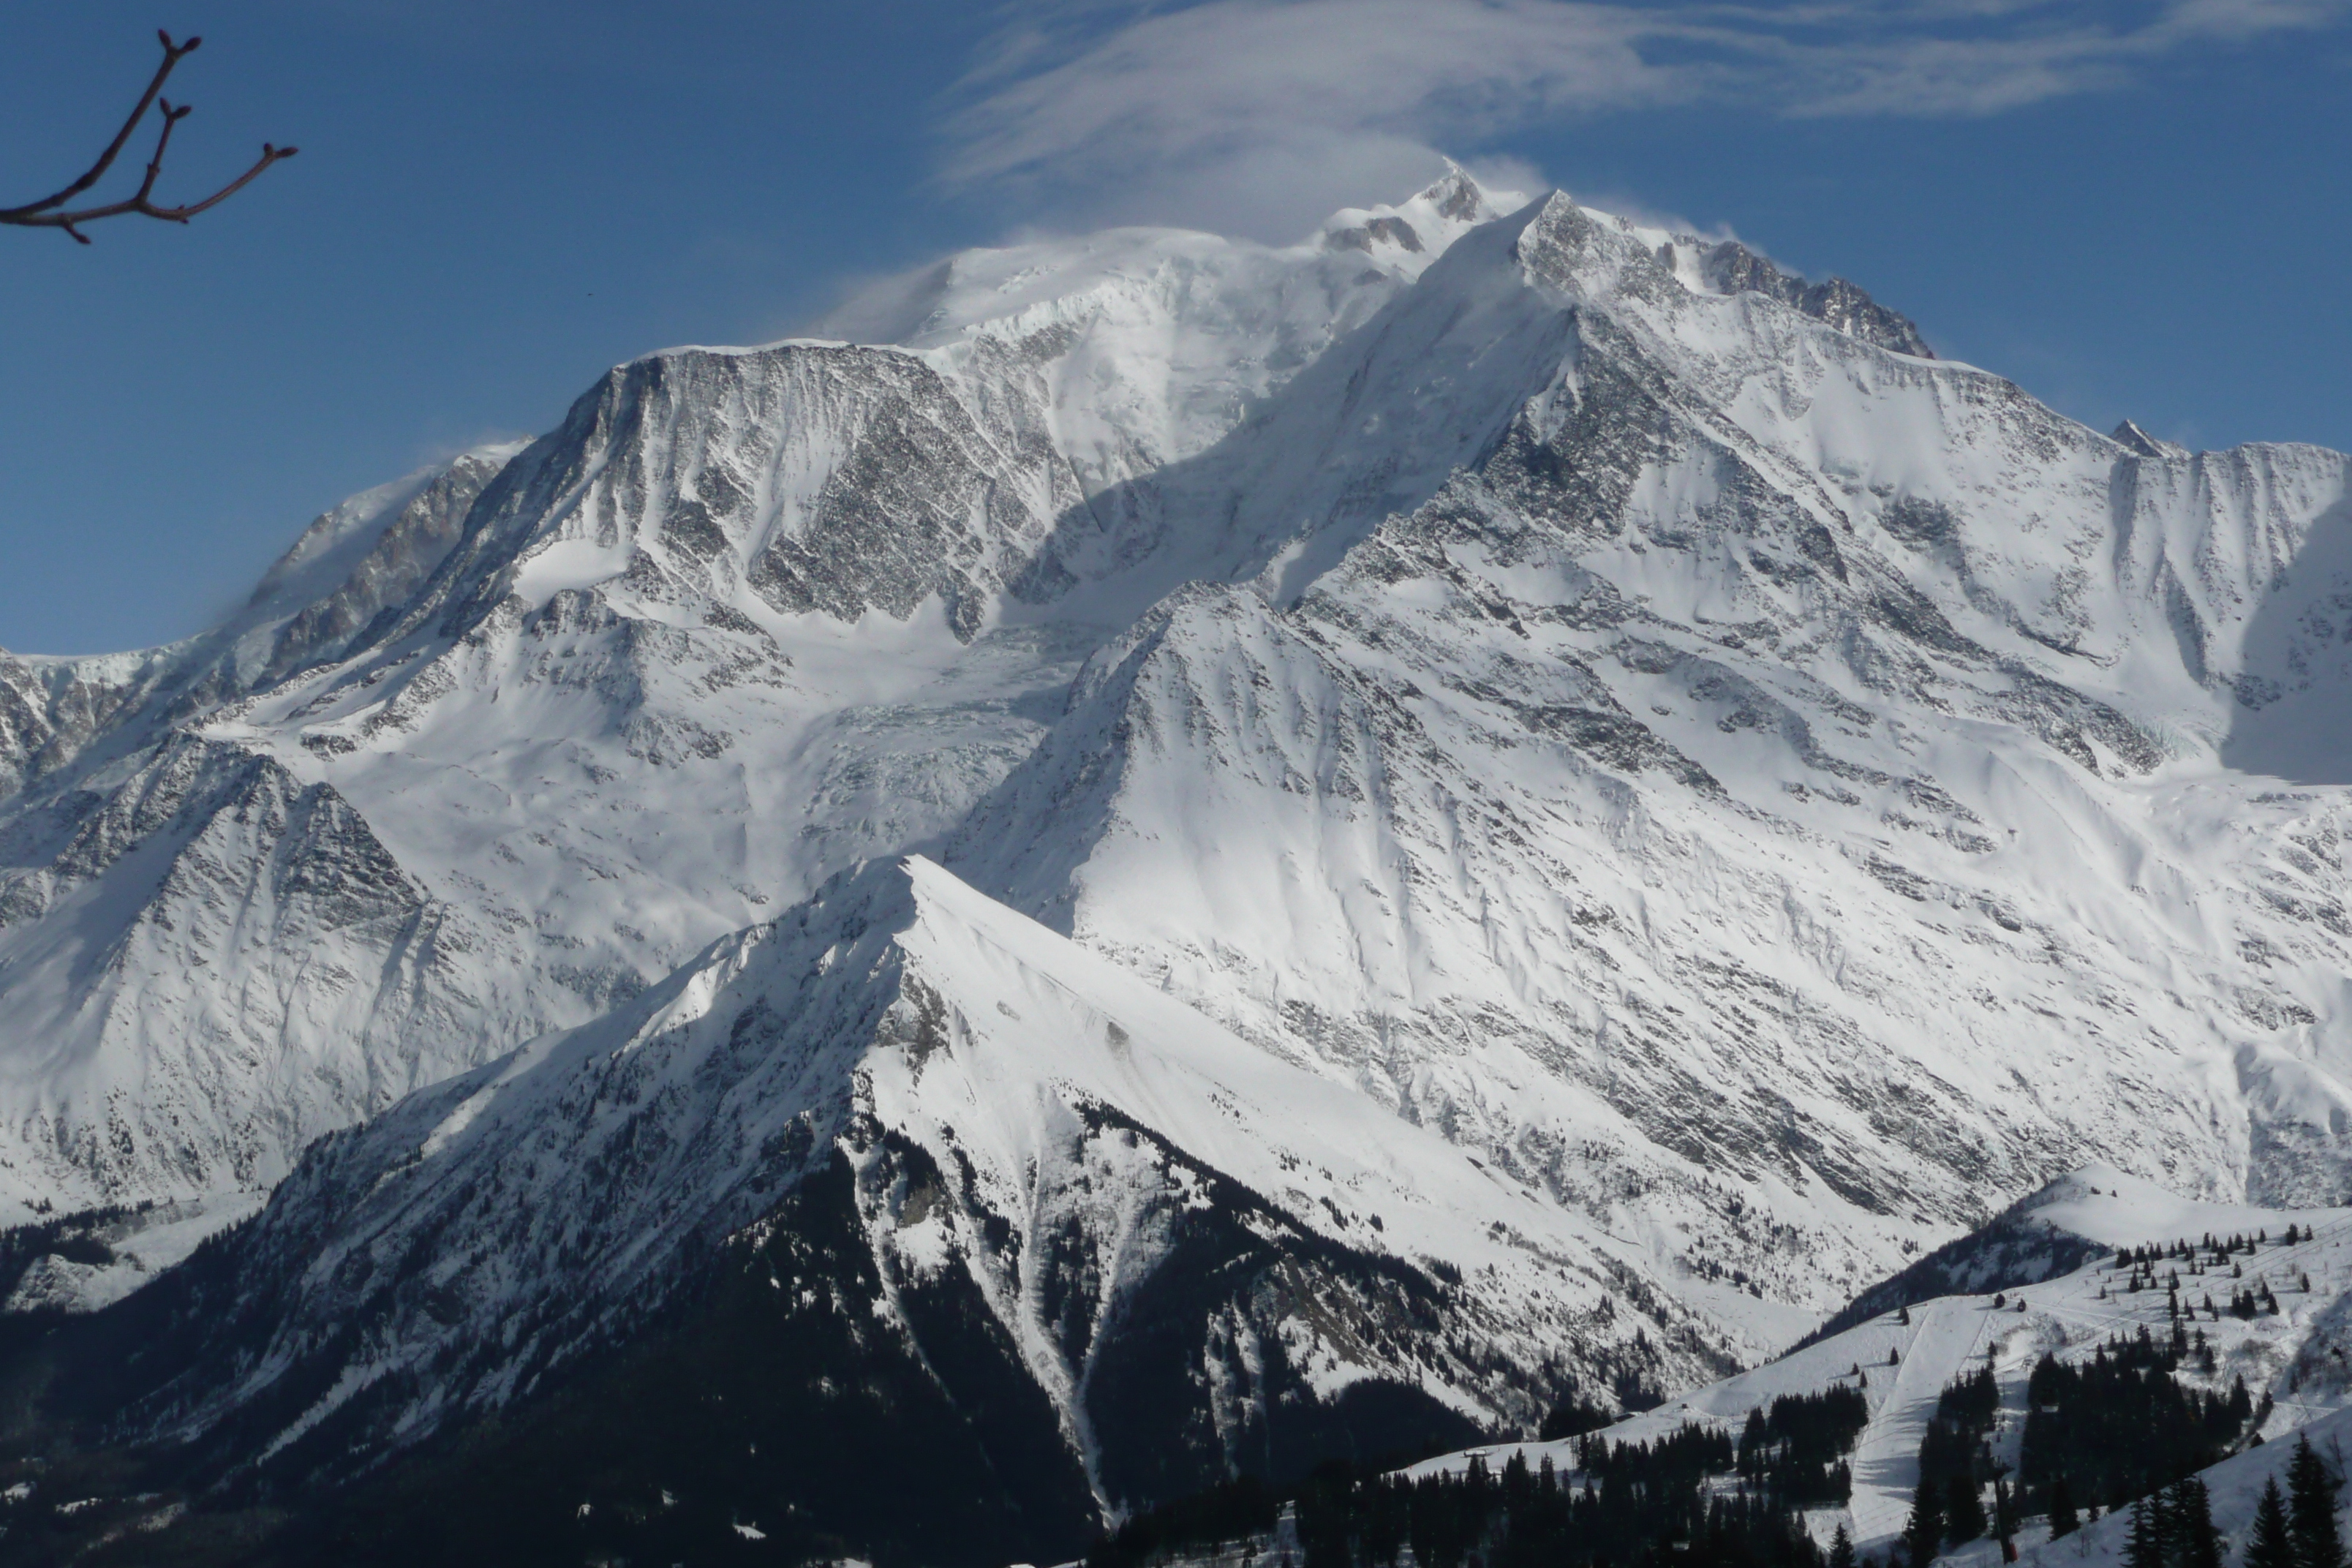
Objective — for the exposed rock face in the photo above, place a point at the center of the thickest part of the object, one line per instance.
(118, 915)
(1734, 269)
(51, 709)
(823, 478)
(350, 568)
(2139, 441)
(382, 553)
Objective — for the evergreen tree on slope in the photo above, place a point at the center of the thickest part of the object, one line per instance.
(2272, 1545)
(2195, 1542)
(2062, 1509)
(2144, 1548)
(1926, 1526)
(2311, 1509)
(1964, 1515)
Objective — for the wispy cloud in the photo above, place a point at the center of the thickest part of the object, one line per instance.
(1256, 112)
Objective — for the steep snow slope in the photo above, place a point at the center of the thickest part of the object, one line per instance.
(1201, 1255)
(2294, 1357)
(207, 961)
(165, 948)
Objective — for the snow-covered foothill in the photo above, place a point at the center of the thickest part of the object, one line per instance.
(1031, 1123)
(110, 1254)
(2295, 1358)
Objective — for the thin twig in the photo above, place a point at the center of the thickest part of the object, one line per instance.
(50, 211)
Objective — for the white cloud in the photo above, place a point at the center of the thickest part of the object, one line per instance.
(1259, 112)
(1260, 115)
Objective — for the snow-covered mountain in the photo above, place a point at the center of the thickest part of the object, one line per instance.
(596, 703)
(1776, 756)
(1554, 734)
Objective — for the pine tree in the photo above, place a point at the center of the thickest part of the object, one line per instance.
(2144, 1548)
(1964, 1516)
(1903, 1316)
(2311, 1509)
(1926, 1526)
(1840, 1548)
(2271, 1545)
(2195, 1542)
(2062, 1509)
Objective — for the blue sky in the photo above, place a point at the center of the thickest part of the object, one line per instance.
(2133, 209)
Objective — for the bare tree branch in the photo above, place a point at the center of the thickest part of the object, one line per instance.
(51, 212)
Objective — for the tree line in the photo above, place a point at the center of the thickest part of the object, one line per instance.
(1626, 1504)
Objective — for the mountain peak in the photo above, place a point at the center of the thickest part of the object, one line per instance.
(1731, 268)
(1458, 194)
(1405, 238)
(2139, 441)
